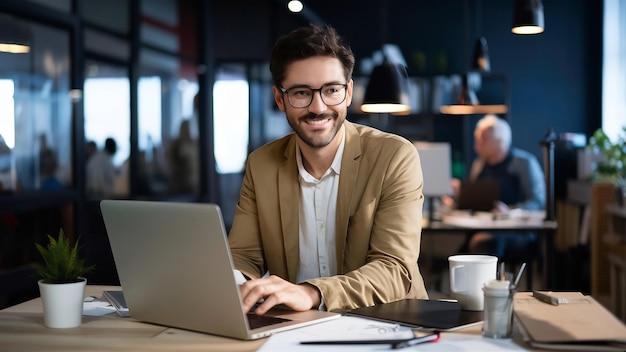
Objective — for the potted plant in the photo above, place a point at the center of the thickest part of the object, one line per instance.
(61, 284)
(612, 164)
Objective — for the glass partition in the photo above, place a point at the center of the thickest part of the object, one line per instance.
(168, 130)
(61, 5)
(107, 117)
(36, 115)
(109, 15)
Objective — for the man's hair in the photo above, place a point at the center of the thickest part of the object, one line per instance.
(500, 129)
(306, 42)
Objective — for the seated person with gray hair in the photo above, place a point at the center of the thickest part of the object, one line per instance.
(521, 184)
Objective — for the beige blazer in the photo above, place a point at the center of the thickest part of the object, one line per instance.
(379, 213)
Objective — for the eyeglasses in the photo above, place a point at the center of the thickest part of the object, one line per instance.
(301, 97)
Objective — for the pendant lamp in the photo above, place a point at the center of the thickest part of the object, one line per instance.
(15, 37)
(481, 55)
(528, 17)
(387, 90)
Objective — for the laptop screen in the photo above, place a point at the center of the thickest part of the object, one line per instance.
(478, 195)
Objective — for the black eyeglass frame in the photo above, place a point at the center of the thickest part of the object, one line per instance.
(313, 90)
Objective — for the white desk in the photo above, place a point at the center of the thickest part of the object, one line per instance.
(22, 329)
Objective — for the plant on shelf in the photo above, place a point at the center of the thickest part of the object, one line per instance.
(612, 164)
(61, 283)
(62, 263)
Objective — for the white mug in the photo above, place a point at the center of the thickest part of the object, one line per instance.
(468, 273)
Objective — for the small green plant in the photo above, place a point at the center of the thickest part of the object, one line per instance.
(61, 261)
(613, 164)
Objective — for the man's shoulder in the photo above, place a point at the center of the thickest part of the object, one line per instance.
(522, 154)
(275, 148)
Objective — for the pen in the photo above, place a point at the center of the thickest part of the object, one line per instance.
(395, 343)
(544, 297)
(518, 276)
(434, 337)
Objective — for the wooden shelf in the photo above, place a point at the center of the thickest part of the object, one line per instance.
(608, 241)
(616, 234)
(616, 210)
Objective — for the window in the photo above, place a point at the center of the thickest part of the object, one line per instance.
(231, 119)
(7, 123)
(107, 115)
(614, 68)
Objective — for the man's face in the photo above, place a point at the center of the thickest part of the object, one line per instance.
(485, 144)
(316, 125)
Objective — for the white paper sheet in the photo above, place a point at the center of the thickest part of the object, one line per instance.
(344, 328)
(94, 306)
(352, 328)
(97, 308)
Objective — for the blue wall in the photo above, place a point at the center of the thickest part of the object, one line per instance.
(554, 77)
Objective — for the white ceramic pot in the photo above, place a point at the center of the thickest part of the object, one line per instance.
(62, 303)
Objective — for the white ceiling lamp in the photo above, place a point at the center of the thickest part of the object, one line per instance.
(295, 6)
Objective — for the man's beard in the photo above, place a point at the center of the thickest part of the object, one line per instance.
(310, 140)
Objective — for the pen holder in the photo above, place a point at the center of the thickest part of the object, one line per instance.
(498, 315)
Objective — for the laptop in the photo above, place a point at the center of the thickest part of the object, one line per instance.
(478, 195)
(175, 269)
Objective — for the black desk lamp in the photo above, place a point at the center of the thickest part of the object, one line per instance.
(547, 144)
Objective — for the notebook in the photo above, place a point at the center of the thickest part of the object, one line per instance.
(578, 322)
(478, 195)
(422, 314)
(175, 270)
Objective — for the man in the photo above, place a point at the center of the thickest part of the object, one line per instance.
(332, 211)
(520, 179)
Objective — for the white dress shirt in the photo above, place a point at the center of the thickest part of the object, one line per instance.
(318, 204)
(317, 233)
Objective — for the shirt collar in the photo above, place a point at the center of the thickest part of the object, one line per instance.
(335, 166)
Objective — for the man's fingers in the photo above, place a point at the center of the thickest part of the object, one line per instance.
(254, 290)
(248, 297)
(274, 290)
(267, 304)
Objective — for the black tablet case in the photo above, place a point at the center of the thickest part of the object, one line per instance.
(424, 314)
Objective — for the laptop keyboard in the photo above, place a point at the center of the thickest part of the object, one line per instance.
(259, 321)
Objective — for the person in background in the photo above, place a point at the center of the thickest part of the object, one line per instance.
(332, 212)
(183, 159)
(521, 183)
(101, 172)
(48, 164)
(90, 149)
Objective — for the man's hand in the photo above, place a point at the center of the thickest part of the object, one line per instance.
(274, 290)
(500, 208)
